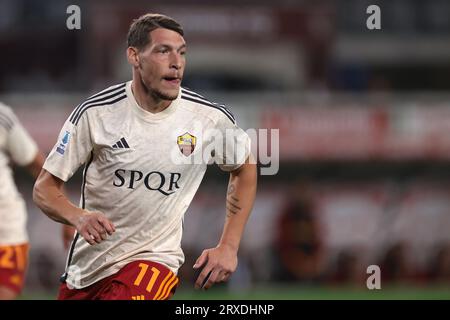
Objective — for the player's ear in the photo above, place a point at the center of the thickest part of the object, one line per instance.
(133, 56)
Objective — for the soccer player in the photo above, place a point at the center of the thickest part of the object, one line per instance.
(17, 146)
(138, 141)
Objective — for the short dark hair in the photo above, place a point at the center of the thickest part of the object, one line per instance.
(138, 35)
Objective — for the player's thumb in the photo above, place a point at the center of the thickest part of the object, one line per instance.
(201, 260)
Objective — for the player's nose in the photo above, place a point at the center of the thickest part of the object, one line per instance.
(176, 61)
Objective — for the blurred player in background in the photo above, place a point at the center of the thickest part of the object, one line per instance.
(134, 195)
(17, 146)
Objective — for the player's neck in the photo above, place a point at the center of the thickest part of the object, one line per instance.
(146, 100)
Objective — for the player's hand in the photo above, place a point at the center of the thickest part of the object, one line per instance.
(94, 227)
(219, 263)
(67, 235)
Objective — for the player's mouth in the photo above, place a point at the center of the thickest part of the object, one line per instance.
(173, 80)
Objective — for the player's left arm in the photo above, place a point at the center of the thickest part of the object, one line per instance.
(220, 262)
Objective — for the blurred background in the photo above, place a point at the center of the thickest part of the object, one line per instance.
(364, 120)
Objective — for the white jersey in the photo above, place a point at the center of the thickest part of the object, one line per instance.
(139, 171)
(17, 146)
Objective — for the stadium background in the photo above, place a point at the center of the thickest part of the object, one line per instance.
(364, 120)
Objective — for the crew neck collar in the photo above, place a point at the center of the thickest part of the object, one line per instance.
(146, 115)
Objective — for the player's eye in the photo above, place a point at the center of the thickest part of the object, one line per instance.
(163, 50)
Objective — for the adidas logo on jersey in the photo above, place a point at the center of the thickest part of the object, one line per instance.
(121, 144)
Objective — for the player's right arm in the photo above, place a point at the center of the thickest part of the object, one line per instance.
(93, 226)
(73, 148)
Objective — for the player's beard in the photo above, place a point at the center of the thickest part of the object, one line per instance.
(163, 95)
(156, 93)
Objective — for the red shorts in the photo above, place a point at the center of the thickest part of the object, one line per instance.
(138, 280)
(13, 266)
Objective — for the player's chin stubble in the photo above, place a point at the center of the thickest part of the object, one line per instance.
(163, 95)
(157, 93)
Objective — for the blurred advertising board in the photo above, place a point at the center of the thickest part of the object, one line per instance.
(358, 133)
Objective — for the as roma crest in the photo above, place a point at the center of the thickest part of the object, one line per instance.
(186, 143)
